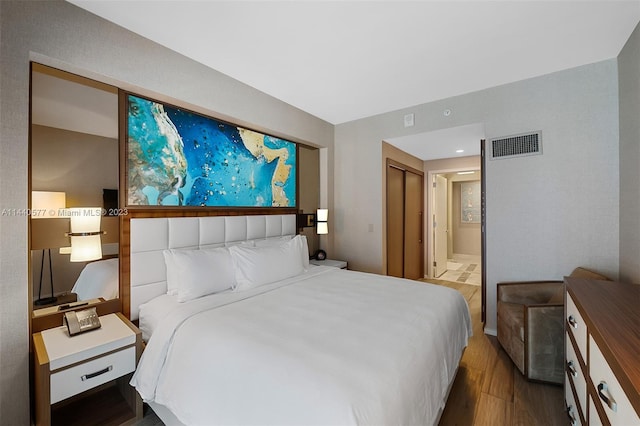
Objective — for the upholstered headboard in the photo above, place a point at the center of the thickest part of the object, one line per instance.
(150, 236)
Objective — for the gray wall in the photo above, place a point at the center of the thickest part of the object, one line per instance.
(546, 214)
(629, 81)
(61, 35)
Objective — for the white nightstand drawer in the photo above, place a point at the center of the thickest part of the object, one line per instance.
(577, 327)
(618, 408)
(577, 377)
(75, 380)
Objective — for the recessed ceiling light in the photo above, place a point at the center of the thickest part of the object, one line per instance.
(459, 150)
(466, 173)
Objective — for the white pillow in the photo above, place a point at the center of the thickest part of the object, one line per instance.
(173, 277)
(196, 273)
(304, 250)
(301, 240)
(272, 241)
(256, 266)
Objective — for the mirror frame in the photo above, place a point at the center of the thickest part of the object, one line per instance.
(51, 320)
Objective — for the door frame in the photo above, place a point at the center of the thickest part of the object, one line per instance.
(437, 222)
(429, 216)
(483, 230)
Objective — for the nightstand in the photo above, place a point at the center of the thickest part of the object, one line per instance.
(84, 379)
(329, 262)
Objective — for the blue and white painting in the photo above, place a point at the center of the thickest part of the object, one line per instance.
(179, 158)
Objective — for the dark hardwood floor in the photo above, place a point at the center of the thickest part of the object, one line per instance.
(489, 389)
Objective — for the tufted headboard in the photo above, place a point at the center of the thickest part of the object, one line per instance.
(150, 236)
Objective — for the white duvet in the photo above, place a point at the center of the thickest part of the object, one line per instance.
(329, 347)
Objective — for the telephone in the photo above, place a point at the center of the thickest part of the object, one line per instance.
(81, 321)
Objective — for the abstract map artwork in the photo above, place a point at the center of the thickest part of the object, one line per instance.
(180, 158)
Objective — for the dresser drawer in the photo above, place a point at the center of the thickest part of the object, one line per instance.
(594, 419)
(72, 381)
(572, 409)
(574, 371)
(577, 327)
(618, 408)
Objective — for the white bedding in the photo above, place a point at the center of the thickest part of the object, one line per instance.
(327, 347)
(98, 279)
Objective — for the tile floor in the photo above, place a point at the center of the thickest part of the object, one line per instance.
(463, 268)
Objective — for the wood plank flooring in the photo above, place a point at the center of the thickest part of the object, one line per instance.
(489, 389)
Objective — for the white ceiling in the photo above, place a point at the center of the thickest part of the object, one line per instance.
(345, 60)
(461, 141)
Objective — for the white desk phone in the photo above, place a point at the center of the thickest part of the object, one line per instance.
(81, 321)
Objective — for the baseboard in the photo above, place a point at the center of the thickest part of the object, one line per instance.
(490, 331)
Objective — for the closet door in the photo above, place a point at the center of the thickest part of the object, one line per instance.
(405, 252)
(395, 222)
(413, 253)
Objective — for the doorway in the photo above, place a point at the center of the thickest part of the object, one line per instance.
(456, 239)
(405, 242)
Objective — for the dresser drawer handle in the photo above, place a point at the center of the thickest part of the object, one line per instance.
(572, 321)
(572, 417)
(97, 373)
(611, 403)
(571, 369)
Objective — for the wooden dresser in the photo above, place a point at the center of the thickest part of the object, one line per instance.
(602, 349)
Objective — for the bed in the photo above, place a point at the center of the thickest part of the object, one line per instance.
(98, 279)
(240, 329)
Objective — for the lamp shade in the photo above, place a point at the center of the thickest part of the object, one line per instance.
(85, 248)
(322, 228)
(322, 215)
(85, 233)
(85, 220)
(47, 204)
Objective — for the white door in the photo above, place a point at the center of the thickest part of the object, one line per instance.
(440, 226)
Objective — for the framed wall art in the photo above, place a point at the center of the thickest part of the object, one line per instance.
(176, 157)
(470, 202)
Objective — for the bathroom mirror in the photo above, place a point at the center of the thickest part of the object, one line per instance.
(73, 163)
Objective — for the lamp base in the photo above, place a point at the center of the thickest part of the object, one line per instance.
(45, 301)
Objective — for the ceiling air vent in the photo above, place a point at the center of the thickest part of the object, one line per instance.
(516, 145)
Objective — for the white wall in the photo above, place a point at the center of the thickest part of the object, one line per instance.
(546, 214)
(629, 77)
(61, 35)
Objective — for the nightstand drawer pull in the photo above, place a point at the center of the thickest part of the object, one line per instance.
(97, 373)
(571, 369)
(611, 403)
(572, 321)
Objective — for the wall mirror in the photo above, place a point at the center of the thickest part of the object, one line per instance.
(74, 180)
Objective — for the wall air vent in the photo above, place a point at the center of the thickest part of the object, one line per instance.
(516, 145)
